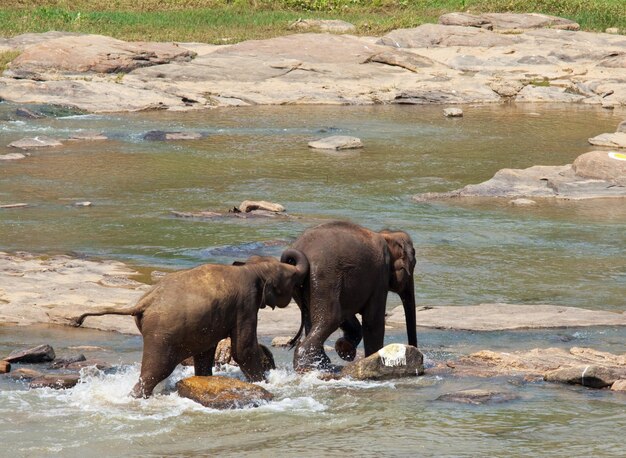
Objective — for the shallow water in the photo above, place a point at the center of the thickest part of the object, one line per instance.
(567, 253)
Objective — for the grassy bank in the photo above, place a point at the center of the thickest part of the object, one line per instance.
(219, 21)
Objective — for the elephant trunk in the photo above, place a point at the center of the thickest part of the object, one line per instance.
(299, 260)
(408, 302)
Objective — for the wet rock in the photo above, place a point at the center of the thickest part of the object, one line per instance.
(35, 142)
(38, 354)
(64, 362)
(24, 374)
(159, 135)
(453, 112)
(223, 355)
(591, 375)
(249, 205)
(223, 392)
(615, 140)
(477, 397)
(223, 352)
(18, 205)
(324, 25)
(437, 35)
(5, 367)
(392, 361)
(281, 341)
(28, 113)
(619, 385)
(549, 94)
(61, 381)
(337, 142)
(601, 165)
(521, 202)
(12, 156)
(200, 214)
(97, 363)
(88, 136)
(84, 203)
(96, 53)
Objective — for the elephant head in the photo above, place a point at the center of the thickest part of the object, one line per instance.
(278, 279)
(402, 265)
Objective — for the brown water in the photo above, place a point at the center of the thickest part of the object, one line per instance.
(558, 252)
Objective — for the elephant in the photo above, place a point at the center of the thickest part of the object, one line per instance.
(351, 271)
(188, 312)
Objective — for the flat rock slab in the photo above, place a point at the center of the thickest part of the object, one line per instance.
(95, 53)
(392, 361)
(39, 354)
(614, 140)
(337, 142)
(437, 35)
(596, 174)
(478, 396)
(12, 156)
(508, 21)
(496, 317)
(223, 392)
(88, 136)
(35, 142)
(588, 375)
(55, 381)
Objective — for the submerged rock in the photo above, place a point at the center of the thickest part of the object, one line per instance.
(159, 135)
(592, 376)
(392, 361)
(223, 392)
(12, 156)
(521, 202)
(28, 113)
(64, 362)
(61, 381)
(38, 354)
(88, 136)
(97, 363)
(477, 397)
(18, 205)
(337, 142)
(453, 112)
(25, 374)
(35, 142)
(281, 341)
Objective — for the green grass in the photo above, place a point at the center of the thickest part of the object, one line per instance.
(6, 57)
(219, 21)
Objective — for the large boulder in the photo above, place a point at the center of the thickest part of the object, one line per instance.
(223, 392)
(601, 165)
(591, 375)
(96, 53)
(392, 361)
(38, 354)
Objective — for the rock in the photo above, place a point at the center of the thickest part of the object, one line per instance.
(18, 205)
(88, 136)
(408, 61)
(551, 94)
(324, 25)
(159, 135)
(55, 381)
(200, 214)
(11, 156)
(437, 35)
(601, 165)
(506, 88)
(337, 142)
(249, 205)
(38, 354)
(524, 21)
(619, 385)
(223, 355)
(97, 363)
(223, 352)
(96, 53)
(84, 203)
(35, 142)
(28, 113)
(25, 374)
(615, 140)
(281, 341)
(477, 397)
(5, 367)
(223, 392)
(521, 202)
(453, 112)
(612, 30)
(392, 361)
(591, 375)
(64, 362)
(465, 20)
(621, 127)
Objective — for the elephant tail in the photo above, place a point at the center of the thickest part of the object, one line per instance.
(138, 309)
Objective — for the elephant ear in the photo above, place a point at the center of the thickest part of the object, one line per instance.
(402, 257)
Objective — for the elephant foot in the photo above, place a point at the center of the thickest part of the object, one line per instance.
(345, 349)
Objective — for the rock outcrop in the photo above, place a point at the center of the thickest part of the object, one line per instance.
(392, 361)
(35, 143)
(223, 392)
(595, 174)
(508, 21)
(39, 354)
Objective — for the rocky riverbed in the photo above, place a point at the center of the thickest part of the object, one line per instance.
(523, 58)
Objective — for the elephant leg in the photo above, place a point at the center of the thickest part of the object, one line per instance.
(374, 323)
(156, 365)
(203, 362)
(309, 353)
(246, 352)
(352, 333)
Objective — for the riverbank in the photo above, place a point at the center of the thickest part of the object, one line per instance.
(50, 289)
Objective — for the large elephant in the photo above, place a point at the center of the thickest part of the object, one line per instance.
(188, 312)
(351, 271)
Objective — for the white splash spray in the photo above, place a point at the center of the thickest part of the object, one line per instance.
(393, 355)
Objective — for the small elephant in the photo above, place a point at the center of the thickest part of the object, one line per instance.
(351, 271)
(188, 312)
